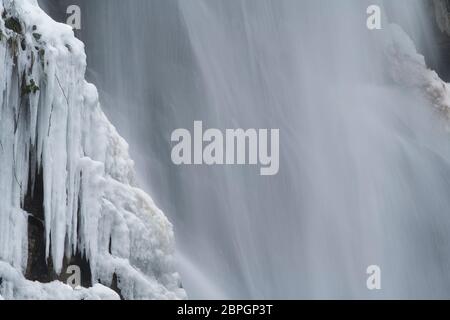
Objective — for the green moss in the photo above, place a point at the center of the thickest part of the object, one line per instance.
(14, 25)
(37, 36)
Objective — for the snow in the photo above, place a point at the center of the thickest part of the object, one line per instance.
(408, 68)
(16, 285)
(91, 201)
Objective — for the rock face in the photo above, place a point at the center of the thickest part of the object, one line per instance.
(68, 196)
(39, 267)
(431, 33)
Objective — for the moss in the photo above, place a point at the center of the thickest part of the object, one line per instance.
(30, 88)
(14, 25)
(1, 35)
(37, 36)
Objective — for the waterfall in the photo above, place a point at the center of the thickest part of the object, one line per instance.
(364, 159)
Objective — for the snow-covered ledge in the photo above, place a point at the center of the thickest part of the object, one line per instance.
(442, 13)
(408, 68)
(65, 169)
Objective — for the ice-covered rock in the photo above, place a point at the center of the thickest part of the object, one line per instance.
(57, 144)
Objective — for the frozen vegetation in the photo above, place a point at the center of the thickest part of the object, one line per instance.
(56, 144)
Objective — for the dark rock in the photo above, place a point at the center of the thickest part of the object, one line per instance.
(13, 24)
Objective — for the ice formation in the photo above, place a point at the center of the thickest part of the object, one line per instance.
(408, 68)
(54, 137)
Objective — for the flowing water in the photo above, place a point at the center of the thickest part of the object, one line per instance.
(364, 165)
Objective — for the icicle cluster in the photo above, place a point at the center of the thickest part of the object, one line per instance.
(51, 124)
